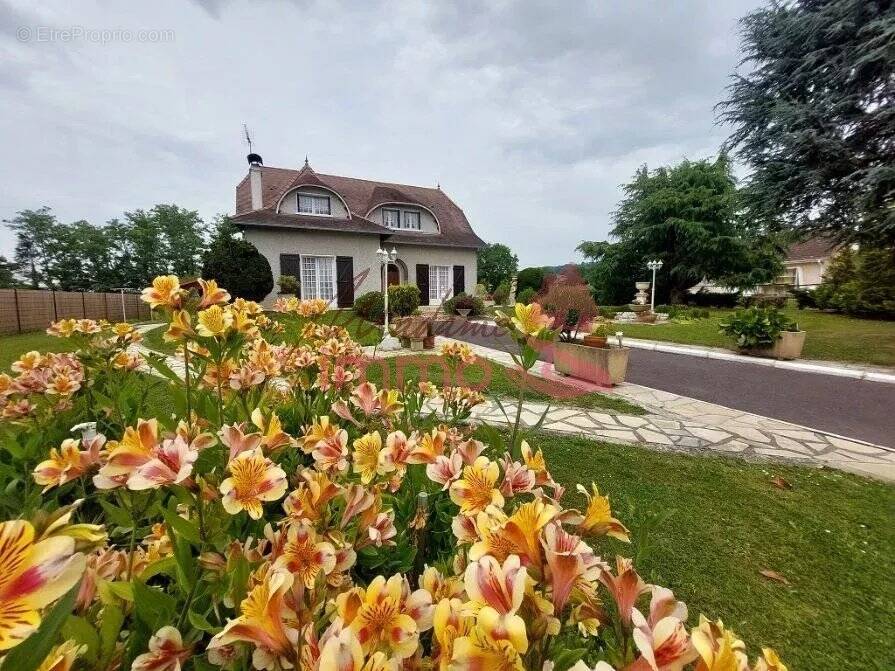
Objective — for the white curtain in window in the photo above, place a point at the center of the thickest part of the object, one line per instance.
(313, 204)
(318, 275)
(412, 220)
(390, 218)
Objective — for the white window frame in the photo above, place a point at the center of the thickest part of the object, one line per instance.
(306, 289)
(438, 294)
(315, 198)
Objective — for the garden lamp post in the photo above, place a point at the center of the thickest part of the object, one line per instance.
(389, 342)
(654, 266)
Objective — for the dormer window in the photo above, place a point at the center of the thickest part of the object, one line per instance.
(391, 218)
(313, 204)
(411, 220)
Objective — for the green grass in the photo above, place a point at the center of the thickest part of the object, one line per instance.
(831, 536)
(13, 346)
(830, 337)
(493, 378)
(361, 330)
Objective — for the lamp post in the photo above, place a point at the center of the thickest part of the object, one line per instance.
(654, 266)
(389, 342)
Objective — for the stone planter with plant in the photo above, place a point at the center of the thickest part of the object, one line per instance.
(765, 332)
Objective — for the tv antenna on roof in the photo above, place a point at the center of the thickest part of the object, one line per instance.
(248, 137)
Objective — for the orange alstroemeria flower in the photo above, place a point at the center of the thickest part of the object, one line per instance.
(719, 649)
(34, 575)
(428, 447)
(214, 321)
(125, 456)
(165, 292)
(212, 294)
(181, 327)
(496, 591)
(625, 586)
(530, 319)
(264, 621)
(166, 652)
(449, 623)
(69, 462)
(253, 480)
(598, 519)
(272, 435)
(477, 489)
(304, 556)
(366, 457)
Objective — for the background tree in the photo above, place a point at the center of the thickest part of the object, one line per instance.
(814, 117)
(612, 271)
(686, 216)
(496, 264)
(239, 267)
(7, 274)
(34, 231)
(530, 278)
(183, 233)
(860, 282)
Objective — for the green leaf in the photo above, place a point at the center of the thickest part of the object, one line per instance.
(153, 606)
(123, 590)
(116, 514)
(168, 566)
(201, 623)
(79, 630)
(564, 659)
(29, 654)
(111, 619)
(209, 459)
(183, 528)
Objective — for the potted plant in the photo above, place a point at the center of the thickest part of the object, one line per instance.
(597, 337)
(765, 332)
(288, 285)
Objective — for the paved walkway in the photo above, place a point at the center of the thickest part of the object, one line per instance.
(679, 423)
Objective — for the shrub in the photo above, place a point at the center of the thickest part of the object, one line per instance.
(526, 296)
(501, 293)
(704, 299)
(860, 283)
(403, 300)
(463, 302)
(609, 311)
(481, 290)
(763, 301)
(529, 278)
(804, 298)
(370, 306)
(241, 268)
(756, 327)
(569, 302)
(288, 284)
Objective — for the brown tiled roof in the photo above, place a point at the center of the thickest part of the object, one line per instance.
(812, 248)
(268, 218)
(361, 196)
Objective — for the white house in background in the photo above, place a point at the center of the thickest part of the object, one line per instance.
(807, 261)
(325, 230)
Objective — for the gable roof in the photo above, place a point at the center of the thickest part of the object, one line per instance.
(361, 196)
(810, 249)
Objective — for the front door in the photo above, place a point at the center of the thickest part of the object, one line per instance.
(393, 275)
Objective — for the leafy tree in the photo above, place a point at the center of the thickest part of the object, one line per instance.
(859, 282)
(814, 117)
(529, 278)
(613, 270)
(686, 216)
(7, 274)
(496, 264)
(34, 229)
(184, 244)
(240, 268)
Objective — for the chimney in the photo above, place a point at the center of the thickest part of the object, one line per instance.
(255, 164)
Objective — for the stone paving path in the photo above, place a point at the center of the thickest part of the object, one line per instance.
(677, 423)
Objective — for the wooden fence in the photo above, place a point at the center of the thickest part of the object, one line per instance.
(23, 310)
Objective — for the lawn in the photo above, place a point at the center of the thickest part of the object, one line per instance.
(706, 526)
(500, 383)
(830, 337)
(361, 330)
(13, 346)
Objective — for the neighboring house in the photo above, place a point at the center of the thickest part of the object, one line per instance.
(325, 230)
(806, 262)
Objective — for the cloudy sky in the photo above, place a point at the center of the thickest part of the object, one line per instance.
(530, 114)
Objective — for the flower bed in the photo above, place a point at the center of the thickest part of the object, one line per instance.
(293, 515)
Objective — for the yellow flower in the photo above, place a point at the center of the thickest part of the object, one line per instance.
(769, 661)
(719, 649)
(482, 650)
(598, 517)
(530, 319)
(304, 557)
(253, 480)
(342, 652)
(64, 328)
(212, 294)
(496, 591)
(181, 326)
(449, 623)
(62, 657)
(34, 575)
(164, 292)
(366, 457)
(214, 321)
(477, 489)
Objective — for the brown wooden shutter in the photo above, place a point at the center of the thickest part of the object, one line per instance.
(290, 264)
(422, 281)
(459, 280)
(345, 281)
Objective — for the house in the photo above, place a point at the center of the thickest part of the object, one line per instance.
(325, 230)
(806, 262)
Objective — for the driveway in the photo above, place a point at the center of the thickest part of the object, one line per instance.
(852, 408)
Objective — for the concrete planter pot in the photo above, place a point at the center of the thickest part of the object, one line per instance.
(464, 312)
(788, 346)
(605, 366)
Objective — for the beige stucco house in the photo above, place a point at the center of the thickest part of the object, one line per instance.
(325, 231)
(807, 261)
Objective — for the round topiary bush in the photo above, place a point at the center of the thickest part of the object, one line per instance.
(529, 278)
(464, 302)
(370, 306)
(403, 300)
(501, 293)
(240, 267)
(526, 296)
